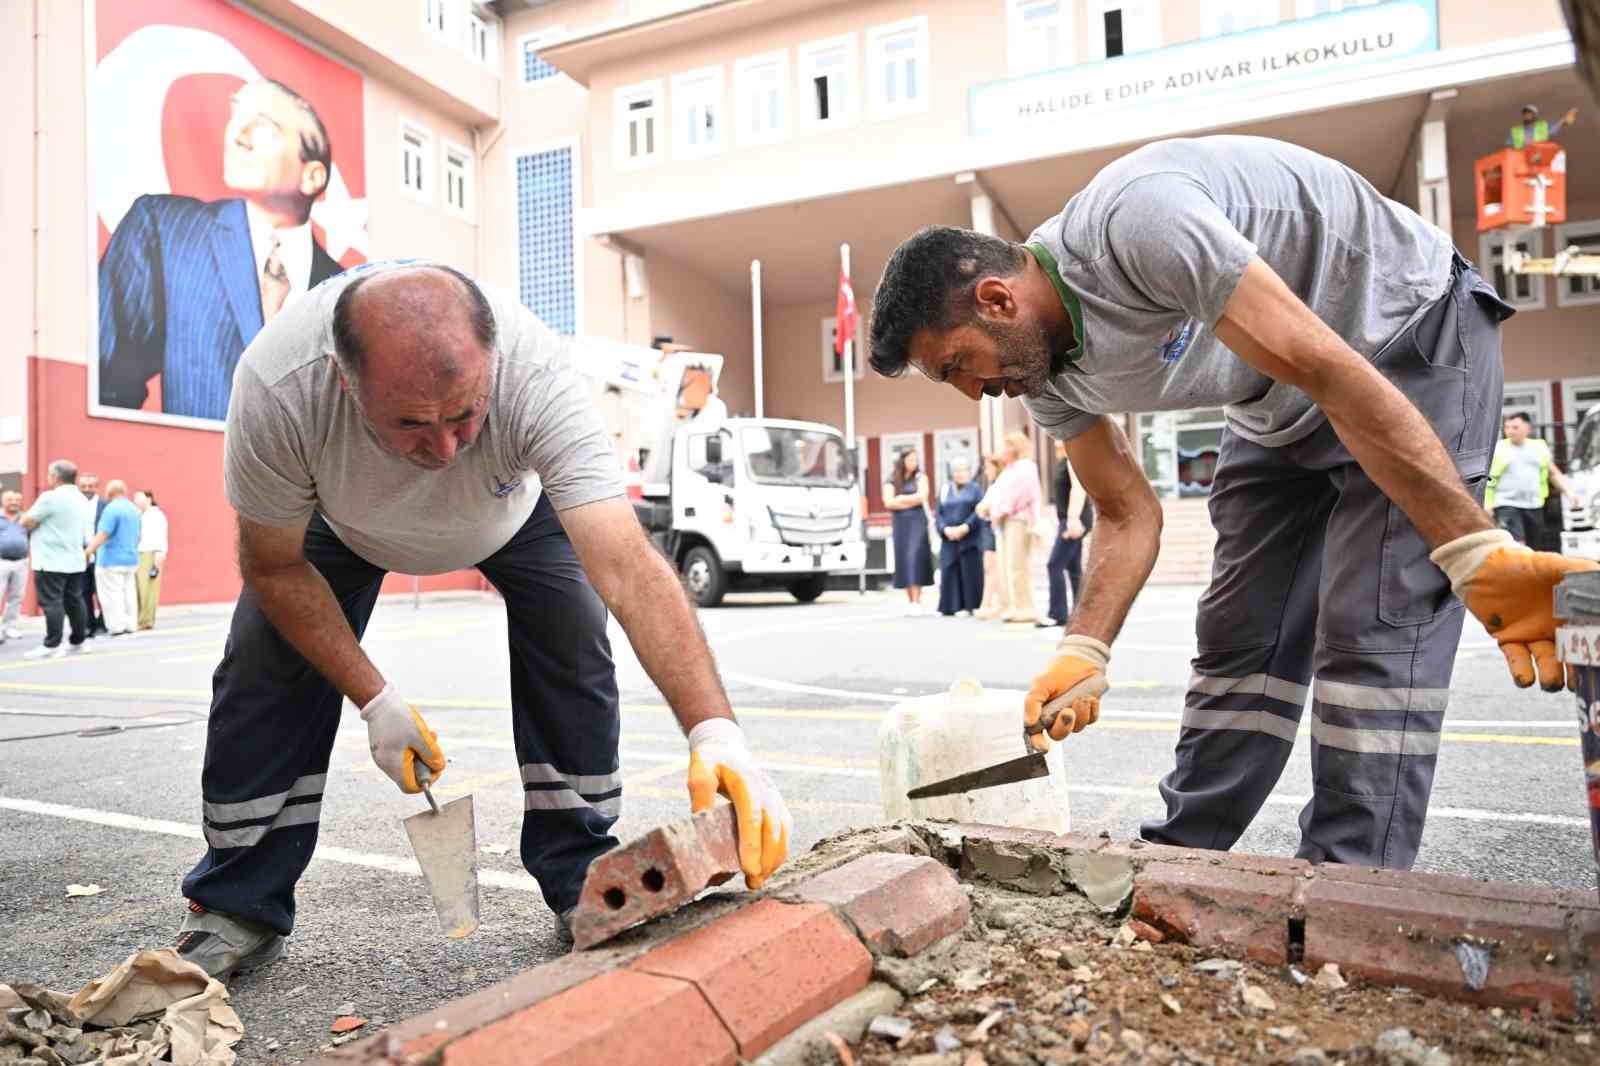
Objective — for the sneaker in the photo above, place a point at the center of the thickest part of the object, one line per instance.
(42, 652)
(79, 649)
(221, 944)
(13, 633)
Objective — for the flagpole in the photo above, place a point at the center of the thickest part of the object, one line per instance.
(755, 317)
(850, 404)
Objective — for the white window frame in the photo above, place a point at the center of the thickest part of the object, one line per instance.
(1564, 234)
(1261, 13)
(1149, 12)
(450, 152)
(878, 37)
(703, 87)
(544, 36)
(1305, 9)
(478, 16)
(743, 100)
(1569, 397)
(1493, 243)
(426, 170)
(1017, 30)
(844, 94)
(858, 370)
(622, 99)
(1542, 406)
(437, 16)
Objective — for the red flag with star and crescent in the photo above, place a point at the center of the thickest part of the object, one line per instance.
(844, 314)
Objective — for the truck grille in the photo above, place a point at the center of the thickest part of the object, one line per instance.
(811, 527)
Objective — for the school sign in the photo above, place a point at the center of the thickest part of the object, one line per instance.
(1233, 63)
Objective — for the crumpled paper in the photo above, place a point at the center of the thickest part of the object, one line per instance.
(194, 1024)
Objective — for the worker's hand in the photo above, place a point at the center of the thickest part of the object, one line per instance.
(1574, 499)
(1075, 530)
(1511, 590)
(399, 737)
(1078, 672)
(719, 762)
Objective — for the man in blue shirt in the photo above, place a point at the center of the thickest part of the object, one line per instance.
(13, 563)
(117, 545)
(56, 521)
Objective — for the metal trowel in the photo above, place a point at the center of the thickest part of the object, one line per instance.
(1024, 768)
(445, 840)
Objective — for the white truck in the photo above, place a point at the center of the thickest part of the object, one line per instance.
(735, 503)
(1580, 535)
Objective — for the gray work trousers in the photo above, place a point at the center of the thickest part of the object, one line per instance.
(1318, 575)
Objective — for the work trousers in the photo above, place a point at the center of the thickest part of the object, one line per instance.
(1065, 564)
(149, 590)
(1525, 524)
(119, 597)
(13, 587)
(1317, 575)
(88, 589)
(61, 594)
(1017, 559)
(960, 577)
(274, 718)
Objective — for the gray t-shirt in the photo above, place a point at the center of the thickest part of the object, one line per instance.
(1518, 484)
(1151, 249)
(296, 444)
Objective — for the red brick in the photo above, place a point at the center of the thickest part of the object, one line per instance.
(1389, 932)
(1143, 852)
(767, 968)
(899, 904)
(1218, 907)
(1445, 884)
(624, 1018)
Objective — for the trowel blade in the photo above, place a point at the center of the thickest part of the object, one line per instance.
(446, 846)
(1024, 768)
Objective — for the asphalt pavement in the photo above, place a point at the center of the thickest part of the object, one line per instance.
(100, 760)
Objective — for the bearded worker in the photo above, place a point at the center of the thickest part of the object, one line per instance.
(1357, 356)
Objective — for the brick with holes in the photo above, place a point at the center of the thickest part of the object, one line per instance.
(656, 874)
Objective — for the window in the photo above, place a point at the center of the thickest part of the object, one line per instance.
(1307, 8)
(1122, 27)
(833, 361)
(638, 122)
(1519, 290)
(1218, 17)
(828, 82)
(1579, 396)
(761, 91)
(416, 149)
(458, 180)
(1575, 290)
(897, 67)
(532, 69)
(483, 36)
(436, 16)
(699, 113)
(546, 253)
(1040, 35)
(1529, 397)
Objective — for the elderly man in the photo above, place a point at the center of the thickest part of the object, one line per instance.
(400, 419)
(59, 531)
(1358, 359)
(93, 505)
(114, 552)
(13, 564)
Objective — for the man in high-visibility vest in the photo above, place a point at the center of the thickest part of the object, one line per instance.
(1519, 481)
(1533, 129)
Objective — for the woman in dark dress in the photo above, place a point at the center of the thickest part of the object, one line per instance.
(1066, 554)
(906, 494)
(960, 542)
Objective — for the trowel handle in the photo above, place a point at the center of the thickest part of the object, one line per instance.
(1047, 718)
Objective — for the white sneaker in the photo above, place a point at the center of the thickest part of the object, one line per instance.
(79, 649)
(42, 652)
(13, 633)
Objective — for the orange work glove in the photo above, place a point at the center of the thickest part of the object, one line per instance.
(1511, 589)
(720, 762)
(1078, 672)
(399, 737)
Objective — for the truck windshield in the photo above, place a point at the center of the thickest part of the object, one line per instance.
(1586, 449)
(781, 456)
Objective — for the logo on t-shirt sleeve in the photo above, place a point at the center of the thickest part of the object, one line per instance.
(1177, 342)
(502, 489)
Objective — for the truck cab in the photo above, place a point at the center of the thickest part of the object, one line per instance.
(1580, 535)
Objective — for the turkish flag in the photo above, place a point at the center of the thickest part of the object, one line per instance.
(844, 326)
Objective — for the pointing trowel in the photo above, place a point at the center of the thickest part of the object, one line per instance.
(445, 840)
(1024, 768)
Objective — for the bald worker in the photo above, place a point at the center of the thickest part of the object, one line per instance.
(401, 419)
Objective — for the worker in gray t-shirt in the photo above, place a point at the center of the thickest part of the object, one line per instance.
(1357, 358)
(401, 419)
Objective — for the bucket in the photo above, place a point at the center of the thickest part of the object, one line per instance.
(1578, 645)
(932, 738)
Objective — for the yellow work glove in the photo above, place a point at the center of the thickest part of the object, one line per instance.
(1078, 672)
(399, 737)
(1511, 589)
(719, 762)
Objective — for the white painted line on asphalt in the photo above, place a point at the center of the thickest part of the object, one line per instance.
(810, 690)
(370, 860)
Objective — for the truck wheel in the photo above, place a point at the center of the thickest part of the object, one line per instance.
(808, 588)
(704, 576)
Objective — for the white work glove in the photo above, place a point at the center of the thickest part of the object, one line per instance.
(719, 762)
(1078, 673)
(399, 737)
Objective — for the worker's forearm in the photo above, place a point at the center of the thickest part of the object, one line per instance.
(302, 608)
(94, 545)
(1559, 480)
(1399, 451)
(1125, 549)
(666, 636)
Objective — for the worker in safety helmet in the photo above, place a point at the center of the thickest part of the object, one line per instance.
(399, 418)
(1533, 129)
(1357, 357)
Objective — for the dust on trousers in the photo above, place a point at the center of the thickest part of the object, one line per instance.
(1322, 589)
(274, 719)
